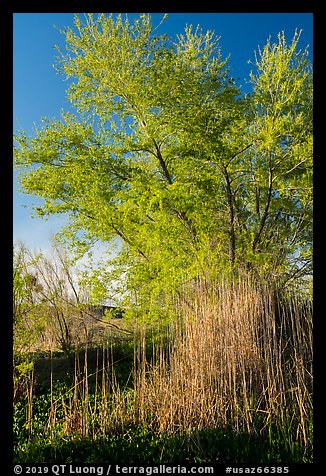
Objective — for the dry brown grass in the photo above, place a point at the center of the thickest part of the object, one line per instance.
(239, 359)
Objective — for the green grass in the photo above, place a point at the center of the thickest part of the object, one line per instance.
(139, 445)
(135, 444)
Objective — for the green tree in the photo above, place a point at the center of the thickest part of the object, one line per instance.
(165, 154)
(281, 162)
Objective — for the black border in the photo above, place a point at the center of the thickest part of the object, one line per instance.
(6, 75)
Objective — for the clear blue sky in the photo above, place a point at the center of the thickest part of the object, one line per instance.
(40, 92)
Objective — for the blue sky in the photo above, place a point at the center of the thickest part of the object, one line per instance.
(40, 92)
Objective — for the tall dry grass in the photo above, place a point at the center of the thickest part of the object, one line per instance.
(237, 356)
(240, 357)
(96, 409)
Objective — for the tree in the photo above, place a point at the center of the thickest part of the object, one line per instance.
(28, 324)
(166, 155)
(282, 160)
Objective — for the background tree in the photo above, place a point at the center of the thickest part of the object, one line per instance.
(28, 324)
(53, 309)
(167, 156)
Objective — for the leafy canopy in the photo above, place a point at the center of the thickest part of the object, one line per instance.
(167, 155)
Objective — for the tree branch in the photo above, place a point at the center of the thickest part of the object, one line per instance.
(265, 215)
(122, 235)
(162, 163)
(231, 215)
(238, 153)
